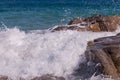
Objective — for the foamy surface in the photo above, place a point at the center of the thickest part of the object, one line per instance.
(34, 54)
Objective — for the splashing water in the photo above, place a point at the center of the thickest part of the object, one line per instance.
(34, 54)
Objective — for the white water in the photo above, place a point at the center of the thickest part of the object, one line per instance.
(33, 54)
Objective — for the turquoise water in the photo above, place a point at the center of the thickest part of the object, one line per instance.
(42, 14)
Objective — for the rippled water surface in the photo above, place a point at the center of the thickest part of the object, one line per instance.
(42, 14)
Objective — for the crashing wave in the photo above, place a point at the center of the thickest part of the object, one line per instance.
(31, 54)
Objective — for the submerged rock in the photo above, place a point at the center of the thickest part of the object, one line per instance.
(105, 51)
(95, 23)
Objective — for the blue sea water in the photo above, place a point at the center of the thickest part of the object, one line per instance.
(42, 14)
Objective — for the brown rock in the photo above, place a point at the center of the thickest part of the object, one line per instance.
(94, 27)
(106, 51)
(59, 28)
(106, 23)
(76, 28)
(71, 27)
(95, 23)
(107, 63)
(75, 21)
(90, 43)
(97, 19)
(115, 55)
(111, 22)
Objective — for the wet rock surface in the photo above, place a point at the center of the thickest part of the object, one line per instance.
(95, 23)
(105, 51)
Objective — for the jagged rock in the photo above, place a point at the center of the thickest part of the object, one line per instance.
(111, 22)
(106, 23)
(94, 27)
(95, 23)
(48, 77)
(106, 51)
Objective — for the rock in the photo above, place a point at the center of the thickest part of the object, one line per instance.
(4, 78)
(106, 51)
(59, 28)
(94, 27)
(71, 27)
(118, 34)
(95, 23)
(75, 21)
(111, 22)
(48, 77)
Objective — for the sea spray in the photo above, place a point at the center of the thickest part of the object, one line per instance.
(34, 54)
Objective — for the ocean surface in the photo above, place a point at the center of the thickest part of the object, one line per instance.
(42, 14)
(39, 51)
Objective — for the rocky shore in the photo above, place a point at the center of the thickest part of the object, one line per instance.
(95, 23)
(103, 53)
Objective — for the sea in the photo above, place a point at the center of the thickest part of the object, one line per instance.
(42, 14)
(27, 47)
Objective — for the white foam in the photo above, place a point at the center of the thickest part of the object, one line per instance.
(33, 54)
(101, 77)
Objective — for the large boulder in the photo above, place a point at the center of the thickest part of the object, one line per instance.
(106, 51)
(95, 23)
